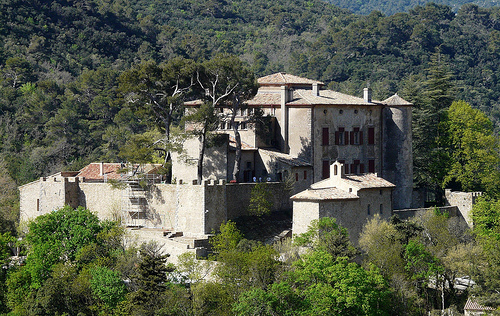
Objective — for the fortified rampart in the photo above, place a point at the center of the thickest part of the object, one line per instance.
(458, 204)
(194, 210)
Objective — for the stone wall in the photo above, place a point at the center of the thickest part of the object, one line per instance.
(398, 157)
(238, 198)
(193, 209)
(347, 117)
(303, 213)
(42, 196)
(419, 212)
(464, 202)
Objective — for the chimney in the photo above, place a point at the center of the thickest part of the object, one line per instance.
(284, 95)
(101, 168)
(315, 89)
(367, 94)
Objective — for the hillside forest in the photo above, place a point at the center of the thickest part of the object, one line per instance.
(68, 69)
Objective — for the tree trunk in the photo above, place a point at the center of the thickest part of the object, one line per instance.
(168, 158)
(237, 137)
(203, 138)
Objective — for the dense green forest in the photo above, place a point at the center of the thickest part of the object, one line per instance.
(65, 68)
(392, 7)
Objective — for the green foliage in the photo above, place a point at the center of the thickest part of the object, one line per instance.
(326, 235)
(227, 239)
(260, 200)
(108, 286)
(335, 286)
(421, 264)
(58, 237)
(486, 218)
(279, 299)
(474, 150)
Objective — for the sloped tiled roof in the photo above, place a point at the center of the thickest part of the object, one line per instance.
(473, 305)
(324, 194)
(367, 181)
(396, 100)
(305, 97)
(285, 158)
(110, 170)
(93, 171)
(281, 78)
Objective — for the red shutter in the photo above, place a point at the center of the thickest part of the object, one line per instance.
(353, 168)
(305, 174)
(361, 138)
(326, 169)
(346, 138)
(362, 168)
(337, 138)
(371, 135)
(352, 138)
(371, 166)
(326, 136)
(296, 177)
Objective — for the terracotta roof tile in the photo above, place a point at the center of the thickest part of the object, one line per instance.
(324, 194)
(396, 100)
(305, 97)
(93, 171)
(367, 181)
(110, 170)
(281, 78)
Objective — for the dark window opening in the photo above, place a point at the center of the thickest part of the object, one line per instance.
(371, 165)
(371, 135)
(326, 136)
(326, 169)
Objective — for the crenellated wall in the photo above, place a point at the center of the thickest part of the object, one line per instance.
(193, 209)
(464, 202)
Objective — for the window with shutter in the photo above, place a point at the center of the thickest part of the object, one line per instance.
(326, 136)
(371, 135)
(326, 169)
(371, 165)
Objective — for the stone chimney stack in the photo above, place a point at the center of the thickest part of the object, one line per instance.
(315, 89)
(367, 94)
(284, 95)
(101, 168)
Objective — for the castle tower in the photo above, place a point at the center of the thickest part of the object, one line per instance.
(397, 158)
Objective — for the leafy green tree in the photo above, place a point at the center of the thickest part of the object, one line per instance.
(150, 281)
(260, 200)
(334, 286)
(326, 235)
(474, 150)
(58, 237)
(383, 245)
(108, 286)
(430, 104)
(159, 91)
(6, 241)
(203, 121)
(279, 299)
(228, 83)
(227, 239)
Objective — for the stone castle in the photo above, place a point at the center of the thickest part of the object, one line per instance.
(349, 158)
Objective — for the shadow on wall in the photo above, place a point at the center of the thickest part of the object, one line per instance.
(306, 150)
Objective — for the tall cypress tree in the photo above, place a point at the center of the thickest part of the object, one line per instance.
(431, 100)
